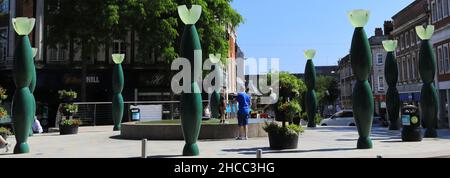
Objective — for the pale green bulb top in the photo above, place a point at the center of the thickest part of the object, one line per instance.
(34, 52)
(390, 45)
(359, 18)
(310, 53)
(425, 33)
(189, 16)
(118, 58)
(215, 58)
(23, 25)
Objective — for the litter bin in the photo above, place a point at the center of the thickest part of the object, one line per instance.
(411, 124)
(135, 114)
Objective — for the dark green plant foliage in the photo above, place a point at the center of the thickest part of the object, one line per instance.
(289, 130)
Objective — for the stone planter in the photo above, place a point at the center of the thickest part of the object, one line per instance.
(68, 129)
(279, 141)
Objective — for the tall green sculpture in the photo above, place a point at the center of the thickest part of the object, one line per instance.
(32, 88)
(117, 86)
(427, 66)
(391, 73)
(215, 96)
(310, 80)
(22, 104)
(361, 60)
(191, 102)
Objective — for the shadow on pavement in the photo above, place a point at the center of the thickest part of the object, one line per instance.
(267, 150)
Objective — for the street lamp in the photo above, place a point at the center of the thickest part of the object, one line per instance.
(427, 67)
(191, 103)
(22, 104)
(361, 60)
(392, 96)
(117, 86)
(310, 81)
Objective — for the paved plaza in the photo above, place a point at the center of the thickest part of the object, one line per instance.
(321, 142)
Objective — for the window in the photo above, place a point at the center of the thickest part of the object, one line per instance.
(413, 38)
(413, 67)
(58, 54)
(119, 47)
(445, 7)
(402, 43)
(417, 66)
(439, 10)
(446, 58)
(4, 7)
(405, 70)
(400, 69)
(434, 11)
(440, 59)
(3, 44)
(407, 39)
(410, 68)
(381, 83)
(379, 58)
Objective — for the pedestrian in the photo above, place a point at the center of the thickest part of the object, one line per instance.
(244, 101)
(59, 115)
(37, 128)
(222, 107)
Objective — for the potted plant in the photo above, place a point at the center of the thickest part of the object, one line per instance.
(283, 137)
(70, 109)
(5, 132)
(67, 96)
(69, 126)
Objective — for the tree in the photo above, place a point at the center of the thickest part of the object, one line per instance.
(291, 90)
(327, 91)
(94, 23)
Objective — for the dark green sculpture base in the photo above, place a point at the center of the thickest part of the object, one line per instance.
(411, 135)
(116, 128)
(191, 150)
(364, 143)
(21, 148)
(430, 133)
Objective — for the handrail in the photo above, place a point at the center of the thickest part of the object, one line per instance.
(134, 102)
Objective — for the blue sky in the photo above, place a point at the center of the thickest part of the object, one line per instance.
(284, 28)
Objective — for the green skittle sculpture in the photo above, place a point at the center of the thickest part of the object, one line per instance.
(310, 81)
(32, 88)
(392, 96)
(427, 67)
(22, 104)
(117, 85)
(361, 60)
(215, 96)
(191, 102)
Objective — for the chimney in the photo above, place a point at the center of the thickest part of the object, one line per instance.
(378, 32)
(388, 28)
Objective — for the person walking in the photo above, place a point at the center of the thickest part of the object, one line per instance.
(244, 101)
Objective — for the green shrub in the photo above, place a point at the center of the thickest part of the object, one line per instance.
(318, 119)
(5, 131)
(71, 122)
(292, 129)
(64, 94)
(3, 113)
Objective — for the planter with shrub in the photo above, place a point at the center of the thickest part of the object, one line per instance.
(69, 126)
(283, 137)
(5, 132)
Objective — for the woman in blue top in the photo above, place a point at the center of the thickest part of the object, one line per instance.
(244, 101)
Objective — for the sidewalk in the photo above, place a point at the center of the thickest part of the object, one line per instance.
(322, 142)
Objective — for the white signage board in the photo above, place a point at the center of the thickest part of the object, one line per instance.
(149, 112)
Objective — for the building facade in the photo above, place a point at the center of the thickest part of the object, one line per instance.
(407, 53)
(440, 18)
(378, 80)
(147, 78)
(346, 82)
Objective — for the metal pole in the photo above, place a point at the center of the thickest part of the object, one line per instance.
(144, 148)
(95, 114)
(259, 153)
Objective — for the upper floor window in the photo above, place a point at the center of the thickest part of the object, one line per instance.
(3, 44)
(379, 58)
(407, 39)
(440, 59)
(439, 9)
(445, 7)
(412, 37)
(434, 11)
(380, 83)
(446, 58)
(4, 7)
(119, 47)
(58, 54)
